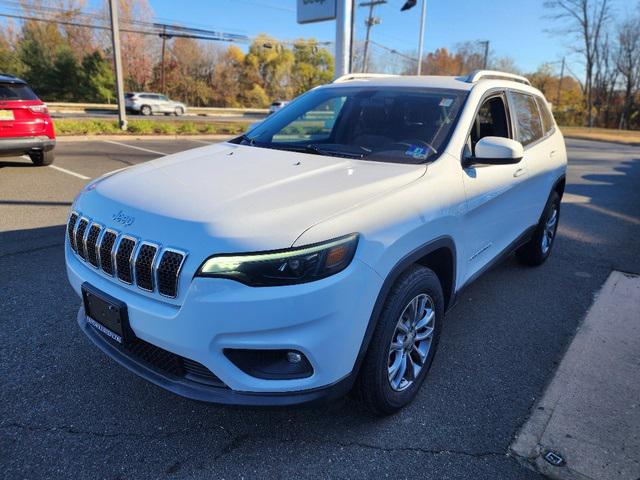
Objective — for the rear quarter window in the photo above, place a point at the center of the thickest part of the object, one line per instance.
(528, 122)
(16, 91)
(547, 117)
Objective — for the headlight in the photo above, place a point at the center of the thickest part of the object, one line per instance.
(284, 267)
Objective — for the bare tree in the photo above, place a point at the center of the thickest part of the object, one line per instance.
(605, 80)
(586, 19)
(628, 64)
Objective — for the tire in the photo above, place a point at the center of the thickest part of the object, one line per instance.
(377, 388)
(539, 247)
(179, 111)
(145, 110)
(41, 158)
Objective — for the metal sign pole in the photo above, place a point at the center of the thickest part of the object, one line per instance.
(117, 60)
(344, 11)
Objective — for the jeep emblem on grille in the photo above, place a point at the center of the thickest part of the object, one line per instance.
(122, 218)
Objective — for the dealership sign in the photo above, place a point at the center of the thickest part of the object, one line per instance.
(316, 10)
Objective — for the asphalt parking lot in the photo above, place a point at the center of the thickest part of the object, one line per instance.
(67, 411)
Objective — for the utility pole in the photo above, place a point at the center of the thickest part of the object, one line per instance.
(369, 22)
(486, 54)
(423, 18)
(117, 61)
(344, 13)
(560, 84)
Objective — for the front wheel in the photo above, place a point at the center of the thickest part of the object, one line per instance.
(404, 342)
(538, 249)
(41, 158)
(179, 111)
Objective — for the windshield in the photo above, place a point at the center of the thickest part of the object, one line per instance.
(400, 125)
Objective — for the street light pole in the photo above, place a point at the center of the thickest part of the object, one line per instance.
(423, 18)
(164, 47)
(117, 62)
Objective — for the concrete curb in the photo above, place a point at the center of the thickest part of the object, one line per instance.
(93, 138)
(590, 413)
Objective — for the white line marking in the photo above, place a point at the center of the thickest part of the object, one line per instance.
(200, 141)
(69, 172)
(137, 148)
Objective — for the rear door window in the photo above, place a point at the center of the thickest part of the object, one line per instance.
(528, 122)
(16, 91)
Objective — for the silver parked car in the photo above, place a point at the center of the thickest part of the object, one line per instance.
(150, 103)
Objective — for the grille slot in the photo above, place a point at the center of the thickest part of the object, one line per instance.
(123, 259)
(168, 272)
(144, 266)
(199, 373)
(82, 227)
(106, 249)
(166, 362)
(71, 226)
(92, 240)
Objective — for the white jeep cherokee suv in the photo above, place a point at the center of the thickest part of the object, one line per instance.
(322, 249)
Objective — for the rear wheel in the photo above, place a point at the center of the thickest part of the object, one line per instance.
(404, 342)
(145, 110)
(538, 249)
(41, 158)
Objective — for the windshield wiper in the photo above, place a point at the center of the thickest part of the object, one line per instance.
(316, 150)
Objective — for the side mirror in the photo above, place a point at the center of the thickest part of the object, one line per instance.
(495, 151)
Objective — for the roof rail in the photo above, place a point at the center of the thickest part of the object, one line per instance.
(7, 75)
(362, 76)
(495, 75)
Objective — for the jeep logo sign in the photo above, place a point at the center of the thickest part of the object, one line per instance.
(316, 10)
(122, 218)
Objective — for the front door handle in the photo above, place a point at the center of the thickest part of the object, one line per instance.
(552, 153)
(519, 172)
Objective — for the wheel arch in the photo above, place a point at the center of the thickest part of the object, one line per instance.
(440, 256)
(559, 185)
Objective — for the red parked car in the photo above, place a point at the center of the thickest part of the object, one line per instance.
(25, 125)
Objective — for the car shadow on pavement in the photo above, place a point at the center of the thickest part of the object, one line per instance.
(76, 410)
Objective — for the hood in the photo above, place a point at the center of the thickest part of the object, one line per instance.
(235, 198)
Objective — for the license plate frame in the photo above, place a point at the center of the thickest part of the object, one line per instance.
(7, 115)
(106, 314)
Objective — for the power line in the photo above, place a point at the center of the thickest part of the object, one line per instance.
(181, 32)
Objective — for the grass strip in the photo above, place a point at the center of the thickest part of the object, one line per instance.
(69, 126)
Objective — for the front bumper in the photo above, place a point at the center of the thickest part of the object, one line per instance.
(22, 145)
(325, 320)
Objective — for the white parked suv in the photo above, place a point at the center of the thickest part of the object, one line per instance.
(151, 103)
(322, 249)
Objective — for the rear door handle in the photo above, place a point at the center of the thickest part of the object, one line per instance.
(552, 153)
(519, 172)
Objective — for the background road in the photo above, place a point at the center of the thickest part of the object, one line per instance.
(106, 115)
(67, 411)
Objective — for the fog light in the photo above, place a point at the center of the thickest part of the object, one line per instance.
(271, 364)
(294, 357)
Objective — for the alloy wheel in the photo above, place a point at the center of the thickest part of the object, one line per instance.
(411, 342)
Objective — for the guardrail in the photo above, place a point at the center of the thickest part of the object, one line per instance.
(61, 107)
